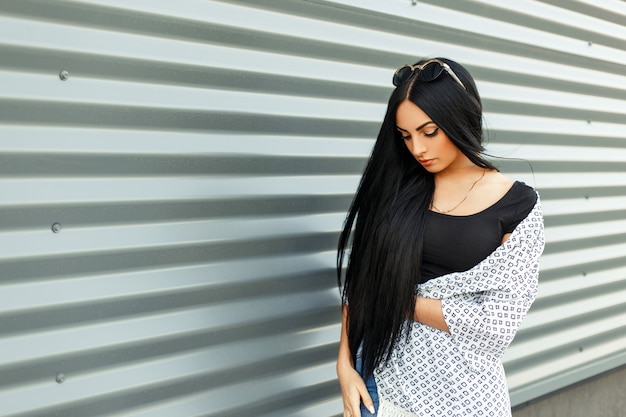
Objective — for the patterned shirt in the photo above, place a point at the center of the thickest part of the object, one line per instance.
(460, 374)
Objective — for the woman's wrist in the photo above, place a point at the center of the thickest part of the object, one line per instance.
(344, 363)
(343, 371)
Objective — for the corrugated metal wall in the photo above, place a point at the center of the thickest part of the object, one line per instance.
(173, 177)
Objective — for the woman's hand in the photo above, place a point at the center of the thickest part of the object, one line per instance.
(353, 391)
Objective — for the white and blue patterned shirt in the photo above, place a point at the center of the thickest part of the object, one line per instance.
(435, 373)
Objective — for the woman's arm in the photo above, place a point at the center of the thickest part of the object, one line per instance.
(353, 388)
(344, 359)
(428, 311)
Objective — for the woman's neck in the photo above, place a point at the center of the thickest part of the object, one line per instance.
(458, 174)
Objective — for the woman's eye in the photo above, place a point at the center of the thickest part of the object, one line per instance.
(431, 134)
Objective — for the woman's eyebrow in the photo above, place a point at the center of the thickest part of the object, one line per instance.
(420, 127)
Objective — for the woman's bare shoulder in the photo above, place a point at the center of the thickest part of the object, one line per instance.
(496, 184)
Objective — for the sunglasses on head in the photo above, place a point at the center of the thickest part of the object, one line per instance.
(427, 71)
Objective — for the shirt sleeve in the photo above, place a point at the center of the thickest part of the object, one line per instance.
(485, 306)
(520, 207)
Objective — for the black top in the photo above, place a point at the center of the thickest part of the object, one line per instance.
(458, 243)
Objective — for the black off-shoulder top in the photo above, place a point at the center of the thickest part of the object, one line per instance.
(458, 243)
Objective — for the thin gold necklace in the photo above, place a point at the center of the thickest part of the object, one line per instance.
(464, 198)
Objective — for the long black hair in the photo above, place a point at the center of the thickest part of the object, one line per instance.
(384, 226)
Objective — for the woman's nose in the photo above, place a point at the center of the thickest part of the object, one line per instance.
(416, 146)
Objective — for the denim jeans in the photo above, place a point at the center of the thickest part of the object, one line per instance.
(370, 383)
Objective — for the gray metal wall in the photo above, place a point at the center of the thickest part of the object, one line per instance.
(173, 176)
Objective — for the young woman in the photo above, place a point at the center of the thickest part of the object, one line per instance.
(443, 258)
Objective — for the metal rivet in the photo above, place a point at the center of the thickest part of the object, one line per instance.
(589, 43)
(56, 227)
(64, 75)
(60, 378)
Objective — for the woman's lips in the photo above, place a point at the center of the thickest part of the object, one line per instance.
(426, 162)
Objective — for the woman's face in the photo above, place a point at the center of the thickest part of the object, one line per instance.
(428, 144)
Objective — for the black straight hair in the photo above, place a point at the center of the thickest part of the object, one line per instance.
(384, 228)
